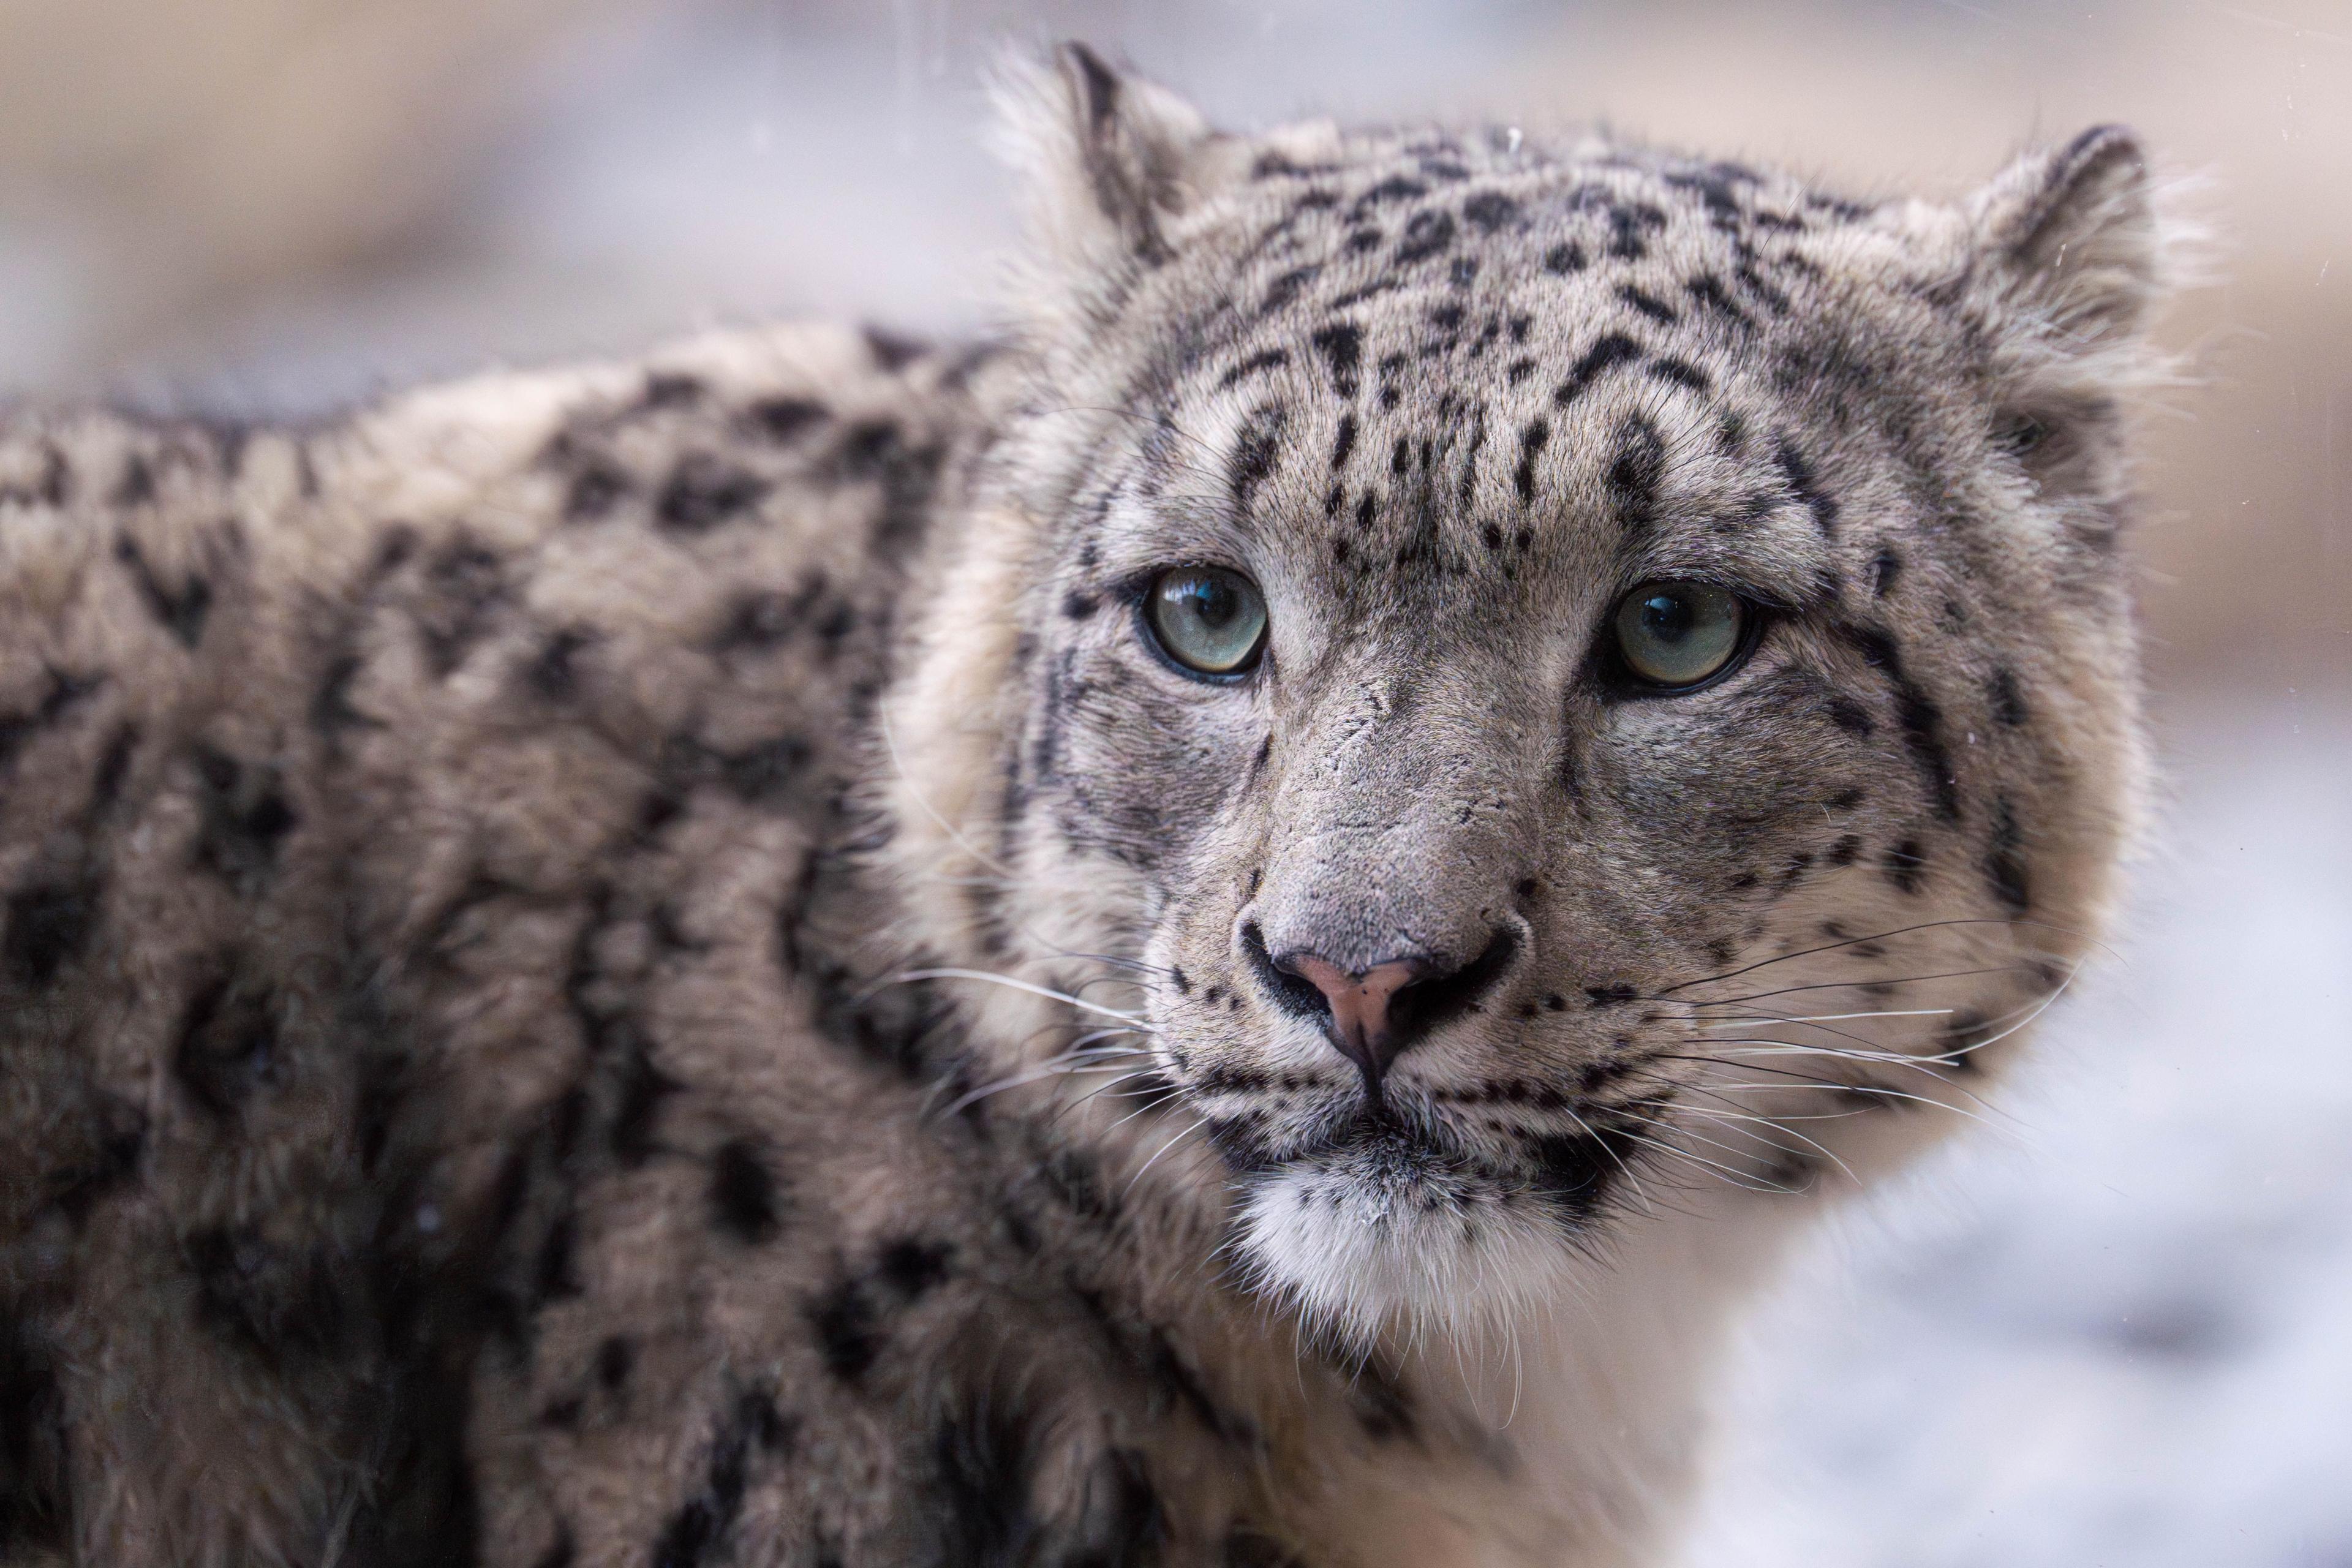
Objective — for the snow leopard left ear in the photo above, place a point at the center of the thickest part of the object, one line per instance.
(1112, 159)
(2068, 263)
(2068, 243)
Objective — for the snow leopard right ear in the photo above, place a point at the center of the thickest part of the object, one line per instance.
(1111, 158)
(2070, 241)
(2071, 257)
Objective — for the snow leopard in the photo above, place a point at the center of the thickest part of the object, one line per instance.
(1221, 928)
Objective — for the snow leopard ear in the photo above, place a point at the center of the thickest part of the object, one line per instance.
(2068, 243)
(1111, 158)
(2069, 260)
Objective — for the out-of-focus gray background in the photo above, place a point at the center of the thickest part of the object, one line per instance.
(2114, 1327)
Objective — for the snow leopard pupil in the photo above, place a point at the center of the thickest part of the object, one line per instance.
(1207, 620)
(1674, 635)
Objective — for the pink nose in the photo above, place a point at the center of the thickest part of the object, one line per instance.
(1360, 1024)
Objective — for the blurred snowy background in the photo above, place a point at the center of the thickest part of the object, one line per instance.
(2113, 1328)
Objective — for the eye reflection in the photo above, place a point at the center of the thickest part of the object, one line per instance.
(1675, 635)
(1207, 620)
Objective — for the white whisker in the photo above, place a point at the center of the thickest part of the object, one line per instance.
(911, 975)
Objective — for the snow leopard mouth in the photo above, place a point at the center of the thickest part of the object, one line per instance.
(1379, 1149)
(1369, 1146)
(1377, 1154)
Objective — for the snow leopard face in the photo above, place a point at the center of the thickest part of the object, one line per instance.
(1580, 680)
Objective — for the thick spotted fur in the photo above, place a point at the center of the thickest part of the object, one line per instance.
(642, 965)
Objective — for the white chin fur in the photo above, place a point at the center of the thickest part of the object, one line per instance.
(1365, 1257)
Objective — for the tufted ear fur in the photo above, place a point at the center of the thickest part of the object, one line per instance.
(2068, 239)
(1111, 159)
(2069, 262)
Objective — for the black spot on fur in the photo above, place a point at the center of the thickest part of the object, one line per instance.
(1850, 716)
(1254, 451)
(466, 584)
(1845, 851)
(49, 923)
(65, 693)
(1648, 304)
(878, 451)
(744, 1199)
(1680, 372)
(594, 491)
(703, 492)
(1563, 259)
(113, 1137)
(763, 774)
(1284, 288)
(228, 1044)
(2008, 702)
(1245, 1547)
(137, 484)
(783, 419)
(911, 1267)
(698, 1533)
(1344, 442)
(1799, 472)
(273, 1300)
(1884, 567)
(33, 1504)
(1917, 712)
(1636, 471)
(1425, 236)
(1532, 441)
(1707, 292)
(847, 1339)
(638, 1106)
(981, 1502)
(1490, 210)
(1072, 1178)
(616, 1359)
(1627, 225)
(550, 674)
(181, 614)
(1266, 360)
(1341, 344)
(671, 389)
(1613, 350)
(1907, 865)
(1575, 1172)
(1395, 188)
(2005, 859)
(245, 817)
(893, 352)
(554, 1276)
(53, 487)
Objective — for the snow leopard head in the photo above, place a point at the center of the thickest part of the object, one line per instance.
(1531, 682)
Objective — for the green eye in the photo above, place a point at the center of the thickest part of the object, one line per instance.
(1206, 618)
(1675, 635)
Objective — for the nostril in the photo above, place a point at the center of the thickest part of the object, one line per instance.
(1290, 991)
(1437, 998)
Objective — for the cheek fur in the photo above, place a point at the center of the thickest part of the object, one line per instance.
(1126, 764)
